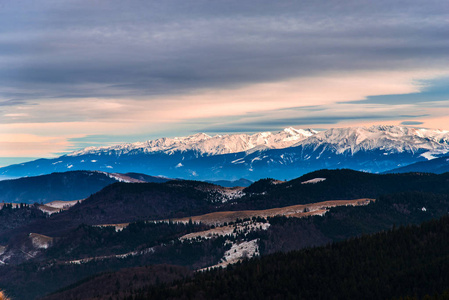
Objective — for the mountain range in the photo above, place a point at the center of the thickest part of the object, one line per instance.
(283, 155)
(156, 229)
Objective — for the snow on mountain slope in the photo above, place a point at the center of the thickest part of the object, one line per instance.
(286, 154)
(208, 145)
(390, 139)
(238, 252)
(122, 177)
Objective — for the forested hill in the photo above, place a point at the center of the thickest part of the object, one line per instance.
(128, 202)
(409, 261)
(337, 184)
(402, 200)
(74, 185)
(65, 186)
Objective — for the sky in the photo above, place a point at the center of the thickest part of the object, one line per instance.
(88, 73)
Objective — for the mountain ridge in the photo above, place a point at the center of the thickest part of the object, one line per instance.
(70, 185)
(283, 155)
(288, 137)
(209, 145)
(438, 166)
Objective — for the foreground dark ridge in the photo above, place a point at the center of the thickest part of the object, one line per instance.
(107, 285)
(284, 234)
(409, 261)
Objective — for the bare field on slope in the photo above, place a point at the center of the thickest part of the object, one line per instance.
(296, 211)
(57, 206)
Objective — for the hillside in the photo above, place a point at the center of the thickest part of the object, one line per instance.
(228, 183)
(89, 250)
(409, 261)
(128, 202)
(125, 202)
(65, 186)
(293, 211)
(69, 246)
(12, 219)
(404, 262)
(336, 185)
(74, 185)
(108, 285)
(438, 165)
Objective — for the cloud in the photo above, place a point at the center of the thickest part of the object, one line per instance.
(408, 123)
(29, 145)
(12, 102)
(433, 90)
(288, 100)
(347, 116)
(79, 49)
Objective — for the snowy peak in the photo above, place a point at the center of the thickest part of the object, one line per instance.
(206, 145)
(300, 132)
(391, 139)
(350, 140)
(285, 154)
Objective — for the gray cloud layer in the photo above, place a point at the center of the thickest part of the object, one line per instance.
(66, 49)
(302, 122)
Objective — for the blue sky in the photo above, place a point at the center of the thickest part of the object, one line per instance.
(80, 73)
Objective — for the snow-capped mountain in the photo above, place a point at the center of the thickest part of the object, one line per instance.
(390, 139)
(286, 154)
(205, 145)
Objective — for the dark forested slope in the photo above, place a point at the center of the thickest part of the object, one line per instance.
(409, 261)
(74, 185)
(337, 184)
(128, 202)
(400, 199)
